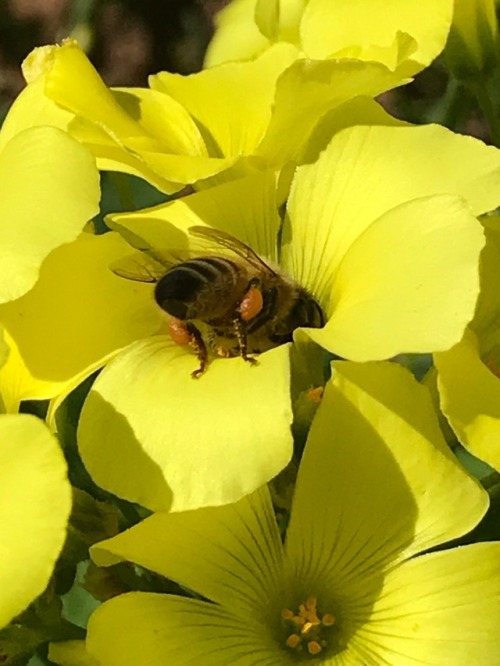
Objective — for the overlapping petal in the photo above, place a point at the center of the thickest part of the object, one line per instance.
(162, 629)
(232, 104)
(468, 374)
(396, 486)
(228, 554)
(140, 132)
(35, 501)
(329, 225)
(359, 512)
(470, 398)
(152, 434)
(419, 615)
(402, 287)
(77, 315)
(329, 26)
(409, 35)
(246, 208)
(50, 189)
(305, 92)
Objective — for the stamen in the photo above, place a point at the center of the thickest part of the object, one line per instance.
(313, 647)
(293, 641)
(314, 628)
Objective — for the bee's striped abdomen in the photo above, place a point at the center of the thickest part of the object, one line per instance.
(185, 284)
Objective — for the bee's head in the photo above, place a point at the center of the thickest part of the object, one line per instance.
(177, 290)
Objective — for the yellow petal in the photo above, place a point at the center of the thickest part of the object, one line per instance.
(229, 554)
(232, 102)
(309, 89)
(438, 609)
(237, 36)
(160, 629)
(377, 484)
(35, 501)
(329, 26)
(245, 208)
(470, 399)
(389, 165)
(152, 434)
(73, 83)
(78, 313)
(32, 108)
(279, 19)
(50, 188)
(71, 653)
(402, 286)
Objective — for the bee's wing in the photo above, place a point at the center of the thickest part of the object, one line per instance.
(142, 266)
(215, 239)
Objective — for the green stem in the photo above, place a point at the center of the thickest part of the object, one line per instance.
(480, 91)
(122, 185)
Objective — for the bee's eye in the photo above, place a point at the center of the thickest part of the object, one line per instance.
(177, 289)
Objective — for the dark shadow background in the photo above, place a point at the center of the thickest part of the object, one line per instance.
(125, 39)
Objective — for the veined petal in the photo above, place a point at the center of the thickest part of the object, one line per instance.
(237, 35)
(231, 103)
(402, 286)
(327, 26)
(470, 398)
(70, 653)
(440, 608)
(50, 189)
(389, 166)
(306, 91)
(152, 434)
(377, 484)
(229, 554)
(79, 312)
(35, 502)
(161, 629)
(245, 208)
(361, 110)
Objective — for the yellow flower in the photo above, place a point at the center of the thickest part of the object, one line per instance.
(403, 35)
(367, 233)
(469, 374)
(225, 122)
(376, 488)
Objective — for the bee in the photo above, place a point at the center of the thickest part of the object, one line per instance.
(226, 299)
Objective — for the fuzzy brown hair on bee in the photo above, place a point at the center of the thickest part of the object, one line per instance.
(226, 299)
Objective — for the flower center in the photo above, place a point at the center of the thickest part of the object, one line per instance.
(309, 629)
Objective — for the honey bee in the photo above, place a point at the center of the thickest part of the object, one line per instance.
(226, 299)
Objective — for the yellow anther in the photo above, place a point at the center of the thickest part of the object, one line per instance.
(293, 641)
(313, 647)
(328, 620)
(308, 626)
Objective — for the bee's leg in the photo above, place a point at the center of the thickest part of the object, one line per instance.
(241, 337)
(184, 333)
(200, 349)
